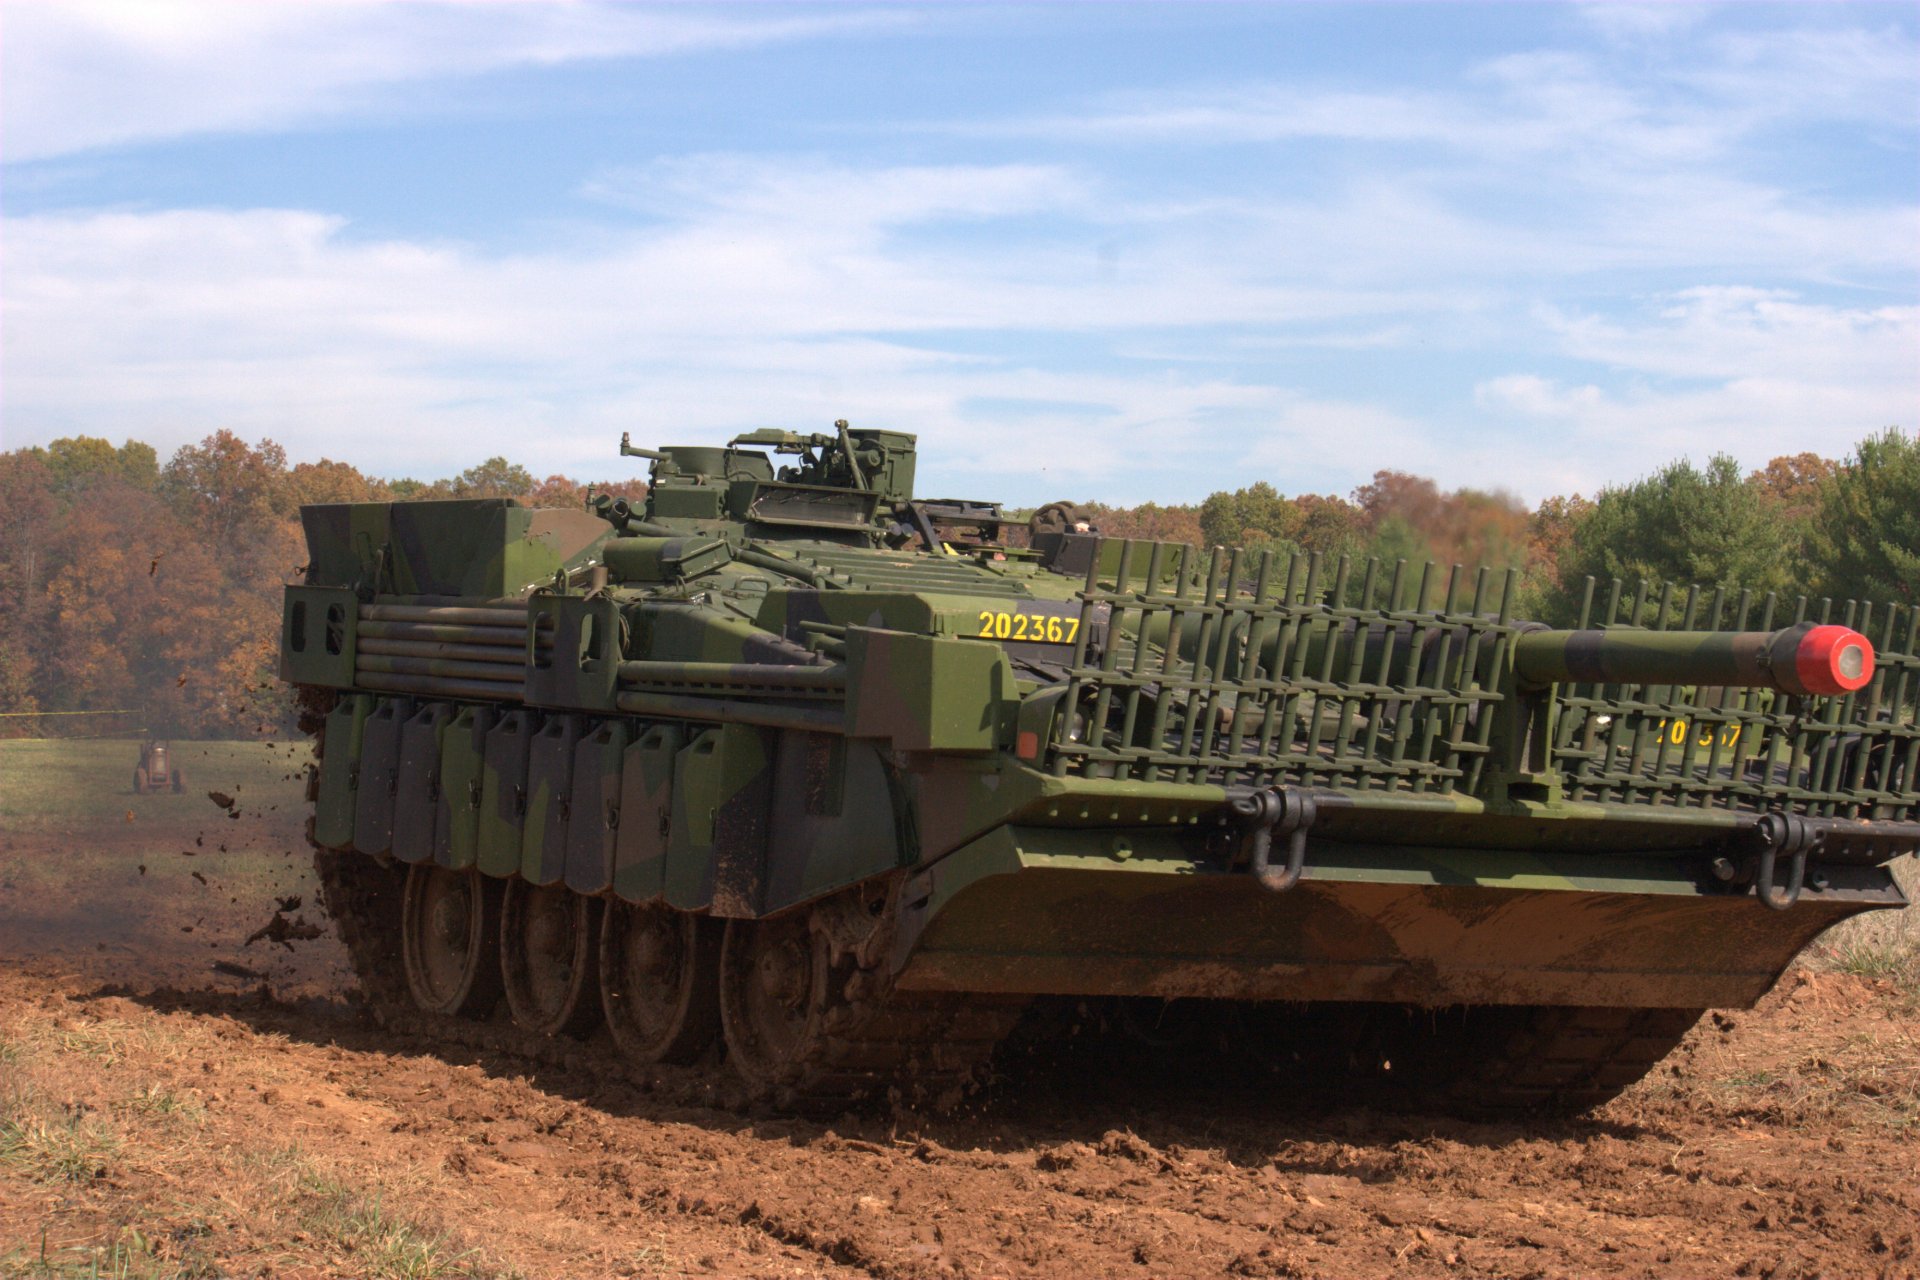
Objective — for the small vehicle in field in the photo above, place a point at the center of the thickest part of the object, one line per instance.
(156, 770)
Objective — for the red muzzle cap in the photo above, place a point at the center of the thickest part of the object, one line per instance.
(1833, 659)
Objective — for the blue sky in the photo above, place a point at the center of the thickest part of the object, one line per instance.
(1111, 252)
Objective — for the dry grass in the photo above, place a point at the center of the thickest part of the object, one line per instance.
(1883, 945)
(112, 1164)
(1868, 1082)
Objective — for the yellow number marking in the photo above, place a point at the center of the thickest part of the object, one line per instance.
(1039, 628)
(1676, 732)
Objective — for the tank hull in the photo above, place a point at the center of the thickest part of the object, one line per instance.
(827, 783)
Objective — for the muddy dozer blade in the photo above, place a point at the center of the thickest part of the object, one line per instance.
(1416, 926)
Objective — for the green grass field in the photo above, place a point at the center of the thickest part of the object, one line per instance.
(157, 886)
(55, 784)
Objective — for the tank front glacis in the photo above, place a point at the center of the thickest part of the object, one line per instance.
(789, 760)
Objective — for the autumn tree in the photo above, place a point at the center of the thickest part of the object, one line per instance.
(227, 489)
(1792, 485)
(1149, 521)
(27, 505)
(330, 481)
(494, 478)
(1410, 515)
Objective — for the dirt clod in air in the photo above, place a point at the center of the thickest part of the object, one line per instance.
(233, 970)
(285, 931)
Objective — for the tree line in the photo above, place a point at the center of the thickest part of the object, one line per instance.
(153, 590)
(1847, 529)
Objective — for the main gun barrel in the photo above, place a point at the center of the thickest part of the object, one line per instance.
(1806, 659)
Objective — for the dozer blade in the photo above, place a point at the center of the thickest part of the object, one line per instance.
(1426, 927)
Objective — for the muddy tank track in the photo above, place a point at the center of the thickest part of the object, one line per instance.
(929, 1051)
(921, 1051)
(1558, 1060)
(880, 1046)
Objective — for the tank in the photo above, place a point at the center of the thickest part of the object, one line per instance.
(787, 768)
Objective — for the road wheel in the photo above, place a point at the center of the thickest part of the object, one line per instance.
(449, 929)
(810, 1016)
(547, 944)
(659, 980)
(773, 997)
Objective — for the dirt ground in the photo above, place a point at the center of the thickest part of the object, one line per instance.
(178, 1103)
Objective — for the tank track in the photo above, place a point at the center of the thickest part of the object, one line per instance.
(1499, 1061)
(904, 1049)
(363, 897)
(912, 1049)
(1561, 1060)
(929, 1050)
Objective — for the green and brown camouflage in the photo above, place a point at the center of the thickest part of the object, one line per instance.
(1103, 766)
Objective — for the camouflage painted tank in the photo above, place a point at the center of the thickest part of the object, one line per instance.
(791, 762)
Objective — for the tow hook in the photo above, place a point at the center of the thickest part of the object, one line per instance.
(1777, 835)
(1265, 815)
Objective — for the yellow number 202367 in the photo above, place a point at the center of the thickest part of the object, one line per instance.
(1039, 628)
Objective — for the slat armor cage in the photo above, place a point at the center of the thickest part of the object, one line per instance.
(1261, 669)
(1852, 756)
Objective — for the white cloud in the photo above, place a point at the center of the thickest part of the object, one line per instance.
(412, 357)
(1111, 323)
(76, 74)
(1636, 23)
(427, 355)
(1753, 373)
(819, 193)
(1729, 333)
(1567, 104)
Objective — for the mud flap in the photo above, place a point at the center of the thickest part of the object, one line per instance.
(597, 818)
(335, 806)
(418, 794)
(646, 812)
(699, 786)
(740, 819)
(503, 792)
(379, 776)
(832, 823)
(457, 816)
(543, 849)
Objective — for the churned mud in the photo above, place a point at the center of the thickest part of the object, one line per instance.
(179, 1103)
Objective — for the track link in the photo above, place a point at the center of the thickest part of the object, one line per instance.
(1563, 1060)
(921, 1050)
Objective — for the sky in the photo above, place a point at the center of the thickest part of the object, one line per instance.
(1122, 253)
